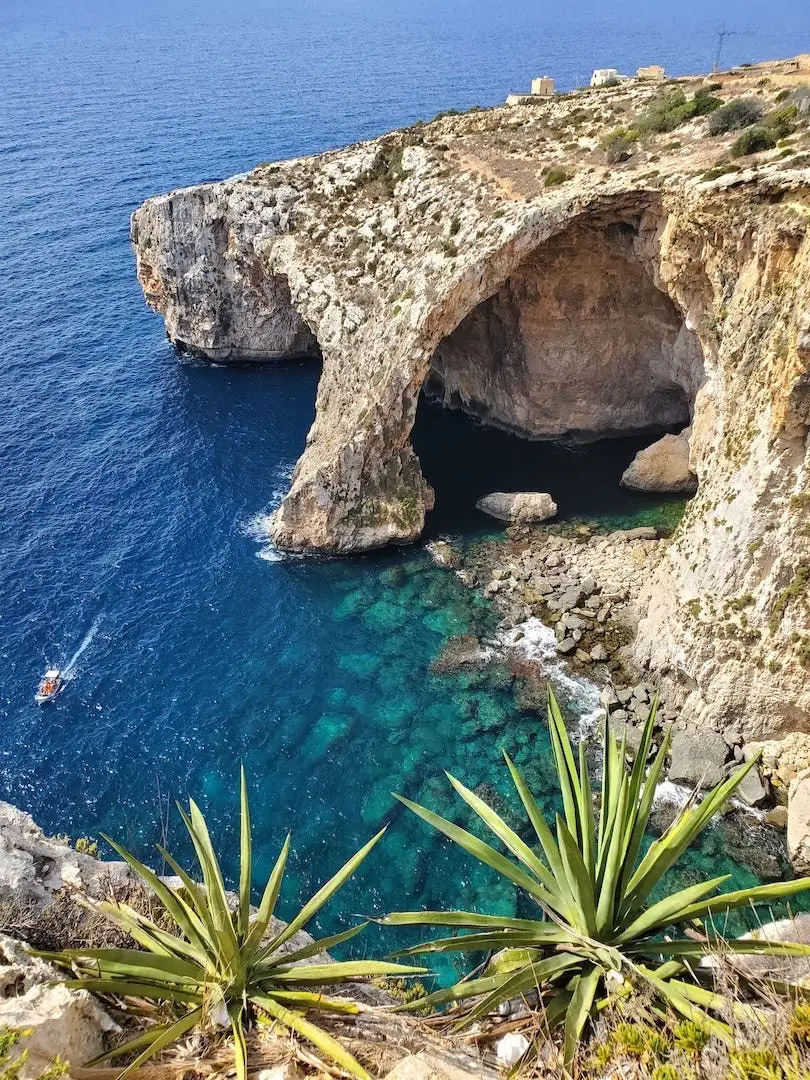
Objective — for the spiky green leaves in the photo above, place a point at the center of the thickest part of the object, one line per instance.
(218, 958)
(593, 887)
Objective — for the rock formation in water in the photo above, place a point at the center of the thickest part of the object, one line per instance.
(662, 466)
(525, 506)
(500, 262)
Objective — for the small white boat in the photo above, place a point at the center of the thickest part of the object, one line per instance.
(49, 686)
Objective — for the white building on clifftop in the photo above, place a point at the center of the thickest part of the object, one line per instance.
(542, 87)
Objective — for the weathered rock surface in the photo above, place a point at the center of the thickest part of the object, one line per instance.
(64, 1023)
(662, 466)
(34, 866)
(626, 296)
(698, 759)
(798, 822)
(521, 506)
(790, 969)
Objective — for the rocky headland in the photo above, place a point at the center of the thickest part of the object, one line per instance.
(599, 263)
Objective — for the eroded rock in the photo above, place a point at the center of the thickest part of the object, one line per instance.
(698, 758)
(438, 258)
(521, 506)
(59, 1022)
(34, 866)
(798, 822)
(663, 466)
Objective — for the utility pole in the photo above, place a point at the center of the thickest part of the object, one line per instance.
(722, 34)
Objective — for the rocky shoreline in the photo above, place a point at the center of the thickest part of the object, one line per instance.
(588, 587)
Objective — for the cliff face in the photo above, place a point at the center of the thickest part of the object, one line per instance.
(627, 295)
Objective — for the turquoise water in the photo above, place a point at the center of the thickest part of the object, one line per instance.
(134, 486)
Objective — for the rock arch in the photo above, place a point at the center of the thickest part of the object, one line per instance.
(580, 340)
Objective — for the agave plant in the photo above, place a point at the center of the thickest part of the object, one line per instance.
(600, 932)
(221, 963)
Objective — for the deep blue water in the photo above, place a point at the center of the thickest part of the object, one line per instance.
(132, 483)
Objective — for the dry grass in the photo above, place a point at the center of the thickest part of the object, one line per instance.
(66, 923)
(635, 1040)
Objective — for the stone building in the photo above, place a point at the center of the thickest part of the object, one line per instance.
(654, 72)
(542, 87)
(601, 76)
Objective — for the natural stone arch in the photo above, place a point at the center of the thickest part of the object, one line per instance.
(359, 484)
(579, 340)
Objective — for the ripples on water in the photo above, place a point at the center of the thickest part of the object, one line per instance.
(134, 485)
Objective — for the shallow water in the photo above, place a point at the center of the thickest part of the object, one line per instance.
(134, 486)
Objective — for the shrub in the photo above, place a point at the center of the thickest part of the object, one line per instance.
(600, 932)
(554, 176)
(618, 144)
(736, 115)
(752, 141)
(221, 966)
(781, 122)
(719, 170)
(671, 109)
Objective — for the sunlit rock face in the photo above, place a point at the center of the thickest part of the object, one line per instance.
(215, 300)
(623, 298)
(578, 341)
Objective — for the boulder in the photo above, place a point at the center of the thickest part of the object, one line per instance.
(698, 758)
(790, 969)
(567, 600)
(443, 554)
(523, 506)
(663, 466)
(777, 817)
(642, 532)
(69, 1024)
(753, 790)
(798, 822)
(434, 1063)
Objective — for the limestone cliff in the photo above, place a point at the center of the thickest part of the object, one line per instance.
(499, 260)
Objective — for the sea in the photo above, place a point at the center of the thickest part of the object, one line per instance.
(135, 484)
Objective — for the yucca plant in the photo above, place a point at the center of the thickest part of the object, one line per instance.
(600, 932)
(219, 964)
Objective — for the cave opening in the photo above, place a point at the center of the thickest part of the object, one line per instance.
(556, 381)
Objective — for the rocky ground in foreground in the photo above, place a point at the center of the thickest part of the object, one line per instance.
(43, 881)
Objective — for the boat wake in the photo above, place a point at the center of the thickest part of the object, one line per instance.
(69, 670)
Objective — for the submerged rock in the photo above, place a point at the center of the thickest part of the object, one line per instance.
(524, 506)
(663, 466)
(444, 554)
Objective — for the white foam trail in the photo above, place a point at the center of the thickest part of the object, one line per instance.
(257, 528)
(668, 792)
(85, 642)
(539, 642)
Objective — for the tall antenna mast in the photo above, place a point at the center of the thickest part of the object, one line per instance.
(722, 34)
